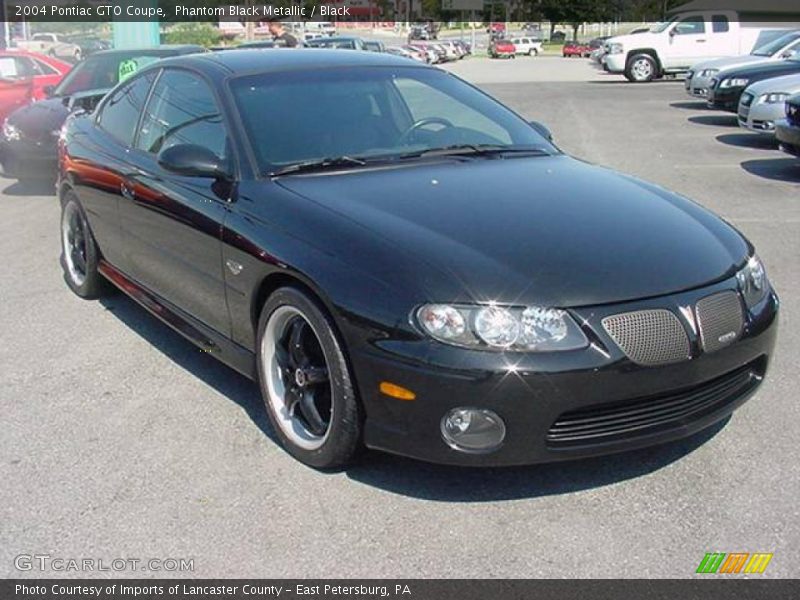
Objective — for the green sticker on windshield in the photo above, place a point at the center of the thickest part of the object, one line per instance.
(127, 68)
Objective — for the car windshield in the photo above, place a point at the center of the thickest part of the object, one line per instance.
(101, 72)
(659, 27)
(775, 46)
(372, 113)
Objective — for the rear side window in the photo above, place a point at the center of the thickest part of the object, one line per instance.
(719, 24)
(43, 68)
(121, 112)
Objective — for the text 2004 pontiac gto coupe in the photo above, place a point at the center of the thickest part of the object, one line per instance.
(403, 263)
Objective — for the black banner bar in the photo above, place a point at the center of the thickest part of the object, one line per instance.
(714, 587)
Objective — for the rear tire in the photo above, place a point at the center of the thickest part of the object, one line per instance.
(641, 68)
(305, 381)
(79, 254)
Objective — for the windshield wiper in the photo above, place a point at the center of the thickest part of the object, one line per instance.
(476, 150)
(319, 165)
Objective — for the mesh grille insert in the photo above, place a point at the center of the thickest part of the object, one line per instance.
(720, 320)
(649, 337)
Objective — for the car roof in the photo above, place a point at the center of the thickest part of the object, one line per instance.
(251, 61)
(164, 50)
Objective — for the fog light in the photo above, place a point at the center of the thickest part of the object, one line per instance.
(473, 430)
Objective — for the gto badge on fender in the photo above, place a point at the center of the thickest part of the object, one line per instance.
(233, 266)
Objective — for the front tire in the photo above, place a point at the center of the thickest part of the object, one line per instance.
(305, 381)
(79, 254)
(641, 68)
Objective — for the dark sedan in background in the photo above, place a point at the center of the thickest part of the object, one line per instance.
(28, 142)
(365, 266)
(727, 87)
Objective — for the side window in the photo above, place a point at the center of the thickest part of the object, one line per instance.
(43, 68)
(719, 24)
(121, 111)
(182, 110)
(691, 26)
(423, 101)
(16, 67)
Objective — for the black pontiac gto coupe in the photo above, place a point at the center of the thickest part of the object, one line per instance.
(401, 262)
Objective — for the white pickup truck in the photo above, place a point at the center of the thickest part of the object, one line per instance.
(51, 44)
(686, 39)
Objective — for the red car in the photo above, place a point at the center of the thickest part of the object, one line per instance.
(25, 76)
(576, 49)
(502, 49)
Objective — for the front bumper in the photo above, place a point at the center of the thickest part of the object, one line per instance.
(697, 86)
(724, 99)
(533, 394)
(25, 159)
(759, 116)
(789, 137)
(615, 63)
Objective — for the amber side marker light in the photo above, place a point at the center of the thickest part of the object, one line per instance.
(396, 391)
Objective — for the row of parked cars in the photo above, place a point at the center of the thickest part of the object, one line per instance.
(511, 47)
(762, 88)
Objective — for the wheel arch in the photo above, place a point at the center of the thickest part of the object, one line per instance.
(274, 281)
(650, 52)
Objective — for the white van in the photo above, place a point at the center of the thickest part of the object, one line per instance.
(686, 39)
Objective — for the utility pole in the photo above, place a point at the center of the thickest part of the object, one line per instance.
(249, 26)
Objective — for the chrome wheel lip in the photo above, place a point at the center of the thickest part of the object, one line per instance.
(70, 221)
(291, 426)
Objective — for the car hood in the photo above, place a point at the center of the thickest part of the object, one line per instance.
(39, 119)
(549, 230)
(637, 40)
(730, 62)
(763, 70)
(789, 84)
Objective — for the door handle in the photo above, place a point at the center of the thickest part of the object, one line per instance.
(701, 41)
(126, 191)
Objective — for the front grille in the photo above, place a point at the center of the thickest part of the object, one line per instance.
(747, 99)
(649, 337)
(720, 320)
(643, 416)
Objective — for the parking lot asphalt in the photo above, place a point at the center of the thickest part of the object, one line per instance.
(122, 440)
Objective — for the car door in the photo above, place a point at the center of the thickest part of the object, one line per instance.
(16, 84)
(104, 164)
(172, 224)
(688, 40)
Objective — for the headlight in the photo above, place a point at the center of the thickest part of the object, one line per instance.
(708, 72)
(733, 82)
(752, 279)
(778, 98)
(492, 327)
(615, 48)
(10, 132)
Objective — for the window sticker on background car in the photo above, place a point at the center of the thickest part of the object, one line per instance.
(127, 68)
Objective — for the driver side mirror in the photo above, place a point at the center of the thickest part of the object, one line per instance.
(542, 130)
(191, 160)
